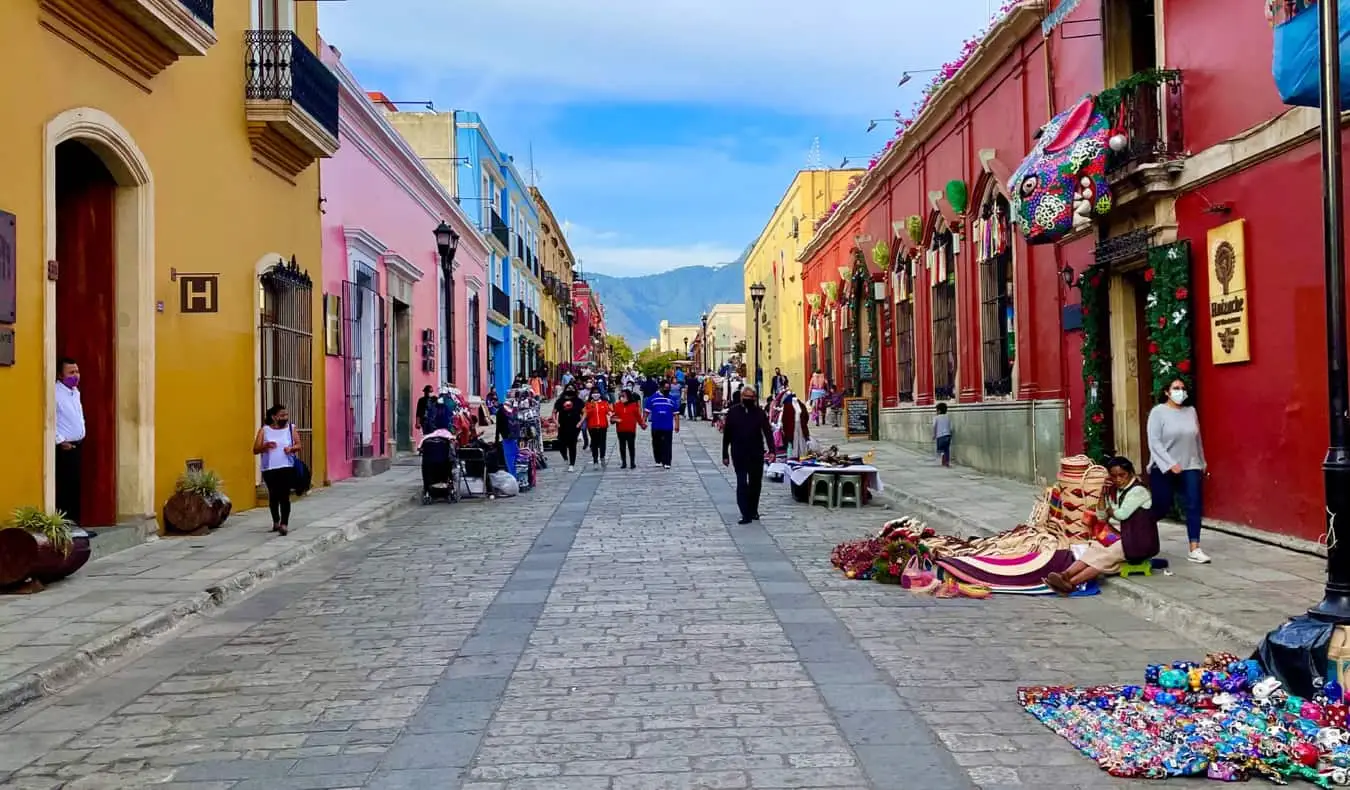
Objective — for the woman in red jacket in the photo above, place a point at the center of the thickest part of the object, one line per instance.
(597, 426)
(627, 420)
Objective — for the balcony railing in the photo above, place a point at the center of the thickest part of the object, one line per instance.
(500, 230)
(281, 68)
(501, 303)
(1152, 115)
(205, 10)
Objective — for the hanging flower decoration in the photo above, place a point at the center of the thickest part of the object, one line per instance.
(1093, 302)
(831, 291)
(1167, 307)
(881, 255)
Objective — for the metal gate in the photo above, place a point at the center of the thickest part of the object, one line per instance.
(286, 343)
(364, 341)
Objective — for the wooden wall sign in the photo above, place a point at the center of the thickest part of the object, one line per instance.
(9, 274)
(1229, 298)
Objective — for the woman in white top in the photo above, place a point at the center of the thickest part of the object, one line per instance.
(1177, 462)
(277, 443)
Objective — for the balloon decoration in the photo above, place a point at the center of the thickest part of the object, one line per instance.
(881, 255)
(814, 301)
(914, 227)
(957, 196)
(831, 291)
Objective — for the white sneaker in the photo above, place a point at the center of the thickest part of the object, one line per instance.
(1198, 556)
(571, 469)
(665, 466)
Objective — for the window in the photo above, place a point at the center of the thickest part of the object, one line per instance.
(285, 329)
(273, 14)
(363, 344)
(902, 285)
(994, 251)
(941, 263)
(475, 353)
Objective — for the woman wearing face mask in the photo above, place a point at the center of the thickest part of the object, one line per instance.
(277, 443)
(597, 427)
(1177, 461)
(567, 409)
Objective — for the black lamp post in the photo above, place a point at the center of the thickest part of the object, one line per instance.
(757, 298)
(703, 349)
(447, 241)
(686, 348)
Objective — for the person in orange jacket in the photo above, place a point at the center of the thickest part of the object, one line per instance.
(627, 419)
(597, 426)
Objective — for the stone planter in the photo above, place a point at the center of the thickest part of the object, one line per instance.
(193, 514)
(52, 566)
(25, 555)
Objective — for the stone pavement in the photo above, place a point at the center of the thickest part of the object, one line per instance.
(1250, 588)
(611, 629)
(121, 602)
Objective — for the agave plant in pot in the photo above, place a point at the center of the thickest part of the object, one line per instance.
(40, 546)
(198, 504)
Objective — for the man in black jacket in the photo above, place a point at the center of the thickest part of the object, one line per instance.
(745, 436)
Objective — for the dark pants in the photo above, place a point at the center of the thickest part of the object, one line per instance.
(1166, 486)
(749, 478)
(68, 482)
(599, 442)
(944, 449)
(567, 445)
(279, 483)
(586, 439)
(663, 446)
(627, 447)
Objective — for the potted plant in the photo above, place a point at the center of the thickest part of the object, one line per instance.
(198, 504)
(41, 546)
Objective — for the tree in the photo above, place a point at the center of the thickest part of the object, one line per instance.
(739, 348)
(651, 362)
(620, 353)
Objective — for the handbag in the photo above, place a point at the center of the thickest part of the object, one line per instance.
(1139, 536)
(304, 478)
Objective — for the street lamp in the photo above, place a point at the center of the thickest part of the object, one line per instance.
(909, 75)
(686, 347)
(872, 125)
(703, 349)
(447, 242)
(757, 298)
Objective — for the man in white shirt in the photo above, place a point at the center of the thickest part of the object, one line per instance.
(69, 438)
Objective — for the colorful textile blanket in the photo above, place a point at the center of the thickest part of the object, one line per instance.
(1009, 575)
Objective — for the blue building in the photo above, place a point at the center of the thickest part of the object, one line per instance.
(493, 193)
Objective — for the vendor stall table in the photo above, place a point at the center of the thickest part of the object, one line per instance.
(799, 477)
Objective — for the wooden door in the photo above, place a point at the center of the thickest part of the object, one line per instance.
(1125, 362)
(86, 316)
(403, 395)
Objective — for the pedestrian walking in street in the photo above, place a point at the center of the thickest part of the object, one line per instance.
(779, 382)
(585, 396)
(1177, 458)
(942, 435)
(277, 443)
(1107, 552)
(598, 412)
(663, 414)
(568, 411)
(627, 420)
(746, 437)
(70, 433)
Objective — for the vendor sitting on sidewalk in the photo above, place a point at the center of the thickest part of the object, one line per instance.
(1106, 553)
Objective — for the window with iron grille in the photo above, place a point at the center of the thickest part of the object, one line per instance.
(993, 249)
(363, 343)
(286, 340)
(904, 348)
(942, 269)
(475, 346)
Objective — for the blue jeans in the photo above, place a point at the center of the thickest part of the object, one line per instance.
(1186, 484)
(944, 448)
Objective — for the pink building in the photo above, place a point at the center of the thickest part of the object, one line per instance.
(387, 299)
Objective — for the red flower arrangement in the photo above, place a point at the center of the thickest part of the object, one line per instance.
(1148, 275)
(1152, 348)
(1184, 366)
(1182, 293)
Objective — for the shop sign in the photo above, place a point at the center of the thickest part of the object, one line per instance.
(865, 367)
(857, 418)
(1229, 299)
(198, 292)
(9, 275)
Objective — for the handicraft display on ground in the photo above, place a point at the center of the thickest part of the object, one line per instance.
(1223, 718)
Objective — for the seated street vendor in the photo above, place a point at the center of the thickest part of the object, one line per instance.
(1105, 554)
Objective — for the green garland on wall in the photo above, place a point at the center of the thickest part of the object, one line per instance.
(1168, 310)
(1093, 299)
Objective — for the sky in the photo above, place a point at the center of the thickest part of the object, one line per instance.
(663, 134)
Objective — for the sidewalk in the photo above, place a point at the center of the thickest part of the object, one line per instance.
(119, 603)
(1249, 589)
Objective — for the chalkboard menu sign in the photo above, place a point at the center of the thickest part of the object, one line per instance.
(865, 367)
(858, 418)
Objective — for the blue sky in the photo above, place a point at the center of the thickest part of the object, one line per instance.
(663, 133)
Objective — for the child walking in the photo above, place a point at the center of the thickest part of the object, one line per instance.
(942, 435)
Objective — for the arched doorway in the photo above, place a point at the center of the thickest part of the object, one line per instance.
(98, 310)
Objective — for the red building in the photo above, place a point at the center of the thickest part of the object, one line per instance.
(1208, 264)
(588, 327)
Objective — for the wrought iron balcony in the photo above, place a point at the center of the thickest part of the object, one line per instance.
(291, 102)
(1151, 108)
(500, 230)
(138, 39)
(501, 303)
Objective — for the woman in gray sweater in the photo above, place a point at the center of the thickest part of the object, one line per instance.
(1177, 459)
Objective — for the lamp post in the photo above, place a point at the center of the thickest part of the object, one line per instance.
(757, 297)
(447, 241)
(686, 347)
(703, 349)
(878, 299)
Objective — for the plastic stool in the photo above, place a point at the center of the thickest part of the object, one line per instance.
(848, 491)
(822, 490)
(1131, 568)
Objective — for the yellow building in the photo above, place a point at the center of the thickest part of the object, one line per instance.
(558, 260)
(772, 262)
(676, 337)
(159, 181)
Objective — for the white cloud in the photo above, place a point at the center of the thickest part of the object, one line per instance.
(841, 57)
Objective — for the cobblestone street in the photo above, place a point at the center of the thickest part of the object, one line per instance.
(611, 629)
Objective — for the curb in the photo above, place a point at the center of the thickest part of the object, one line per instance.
(1180, 618)
(64, 671)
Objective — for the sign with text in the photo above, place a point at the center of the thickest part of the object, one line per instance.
(865, 367)
(199, 293)
(858, 418)
(1229, 299)
(9, 268)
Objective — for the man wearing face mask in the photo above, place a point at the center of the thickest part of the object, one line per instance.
(69, 438)
(746, 436)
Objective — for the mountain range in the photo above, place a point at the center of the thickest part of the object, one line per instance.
(636, 306)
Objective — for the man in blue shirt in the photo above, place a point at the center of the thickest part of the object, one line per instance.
(663, 415)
